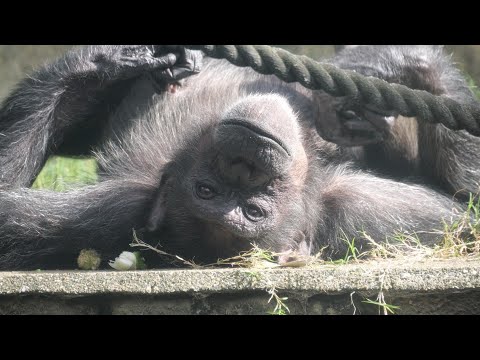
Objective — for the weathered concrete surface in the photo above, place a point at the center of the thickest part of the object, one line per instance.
(439, 287)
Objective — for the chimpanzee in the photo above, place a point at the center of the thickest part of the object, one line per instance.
(204, 159)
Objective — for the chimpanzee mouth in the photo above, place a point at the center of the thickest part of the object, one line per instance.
(258, 131)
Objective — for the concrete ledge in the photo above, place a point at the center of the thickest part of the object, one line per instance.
(310, 290)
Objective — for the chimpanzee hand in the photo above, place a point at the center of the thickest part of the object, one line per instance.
(171, 63)
(346, 123)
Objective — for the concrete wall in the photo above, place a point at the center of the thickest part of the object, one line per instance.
(441, 287)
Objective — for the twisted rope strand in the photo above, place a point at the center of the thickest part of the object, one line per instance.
(371, 91)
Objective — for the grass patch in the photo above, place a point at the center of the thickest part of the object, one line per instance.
(62, 173)
(460, 238)
(280, 306)
(471, 83)
(383, 307)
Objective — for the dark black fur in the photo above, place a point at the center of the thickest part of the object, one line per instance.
(231, 158)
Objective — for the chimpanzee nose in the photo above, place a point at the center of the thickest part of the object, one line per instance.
(239, 172)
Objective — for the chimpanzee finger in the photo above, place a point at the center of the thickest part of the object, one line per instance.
(383, 123)
(189, 62)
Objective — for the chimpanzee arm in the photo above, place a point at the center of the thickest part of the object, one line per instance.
(355, 202)
(450, 158)
(44, 106)
(47, 230)
(401, 146)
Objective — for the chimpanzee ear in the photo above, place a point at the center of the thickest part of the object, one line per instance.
(159, 206)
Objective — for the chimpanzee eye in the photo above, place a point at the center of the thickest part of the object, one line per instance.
(205, 192)
(253, 213)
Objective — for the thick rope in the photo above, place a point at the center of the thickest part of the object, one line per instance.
(370, 91)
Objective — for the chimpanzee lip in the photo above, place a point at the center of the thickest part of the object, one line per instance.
(259, 131)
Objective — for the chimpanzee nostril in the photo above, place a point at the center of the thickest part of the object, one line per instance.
(239, 172)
